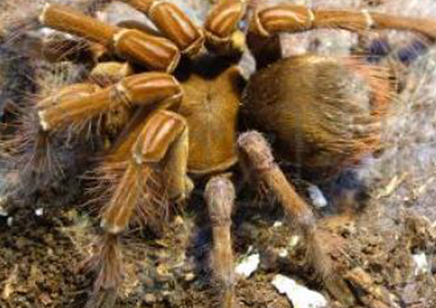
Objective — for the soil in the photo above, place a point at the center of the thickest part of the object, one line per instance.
(42, 259)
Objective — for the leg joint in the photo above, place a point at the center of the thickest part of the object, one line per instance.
(220, 195)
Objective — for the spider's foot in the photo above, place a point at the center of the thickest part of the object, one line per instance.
(339, 289)
(106, 262)
(225, 297)
(324, 252)
(102, 299)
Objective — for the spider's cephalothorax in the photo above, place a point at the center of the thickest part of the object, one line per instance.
(171, 129)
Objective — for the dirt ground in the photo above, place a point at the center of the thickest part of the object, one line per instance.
(44, 246)
(41, 258)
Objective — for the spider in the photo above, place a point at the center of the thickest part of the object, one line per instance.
(177, 103)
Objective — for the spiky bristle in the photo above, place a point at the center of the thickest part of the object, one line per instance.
(107, 262)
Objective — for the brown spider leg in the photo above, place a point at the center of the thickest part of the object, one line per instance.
(255, 149)
(108, 73)
(221, 27)
(156, 53)
(173, 23)
(164, 144)
(163, 141)
(141, 89)
(268, 22)
(220, 195)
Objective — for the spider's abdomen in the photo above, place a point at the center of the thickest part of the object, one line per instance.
(325, 112)
(210, 106)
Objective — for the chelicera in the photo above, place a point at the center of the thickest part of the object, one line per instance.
(180, 114)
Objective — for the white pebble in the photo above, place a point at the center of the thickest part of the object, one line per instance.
(278, 224)
(300, 296)
(293, 242)
(248, 265)
(283, 253)
(10, 221)
(317, 197)
(39, 212)
(421, 264)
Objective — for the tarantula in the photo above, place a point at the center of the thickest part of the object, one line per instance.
(177, 110)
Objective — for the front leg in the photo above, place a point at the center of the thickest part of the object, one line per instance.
(222, 27)
(274, 19)
(256, 151)
(268, 21)
(156, 157)
(81, 104)
(154, 52)
(173, 23)
(220, 195)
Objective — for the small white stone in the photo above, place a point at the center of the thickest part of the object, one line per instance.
(300, 296)
(283, 253)
(278, 224)
(317, 197)
(10, 221)
(421, 263)
(39, 212)
(190, 277)
(293, 241)
(248, 265)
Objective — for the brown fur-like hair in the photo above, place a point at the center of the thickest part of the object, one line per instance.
(35, 156)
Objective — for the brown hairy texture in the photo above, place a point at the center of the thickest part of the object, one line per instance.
(379, 81)
(256, 150)
(19, 16)
(210, 150)
(285, 17)
(140, 184)
(326, 112)
(30, 154)
(220, 195)
(107, 262)
(130, 189)
(319, 246)
(180, 29)
(37, 157)
(138, 192)
(111, 122)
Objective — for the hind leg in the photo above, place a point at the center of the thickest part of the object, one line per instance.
(256, 152)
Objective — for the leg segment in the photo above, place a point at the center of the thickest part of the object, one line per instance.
(173, 23)
(162, 141)
(221, 26)
(78, 107)
(256, 151)
(275, 19)
(220, 195)
(269, 21)
(154, 52)
(163, 144)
